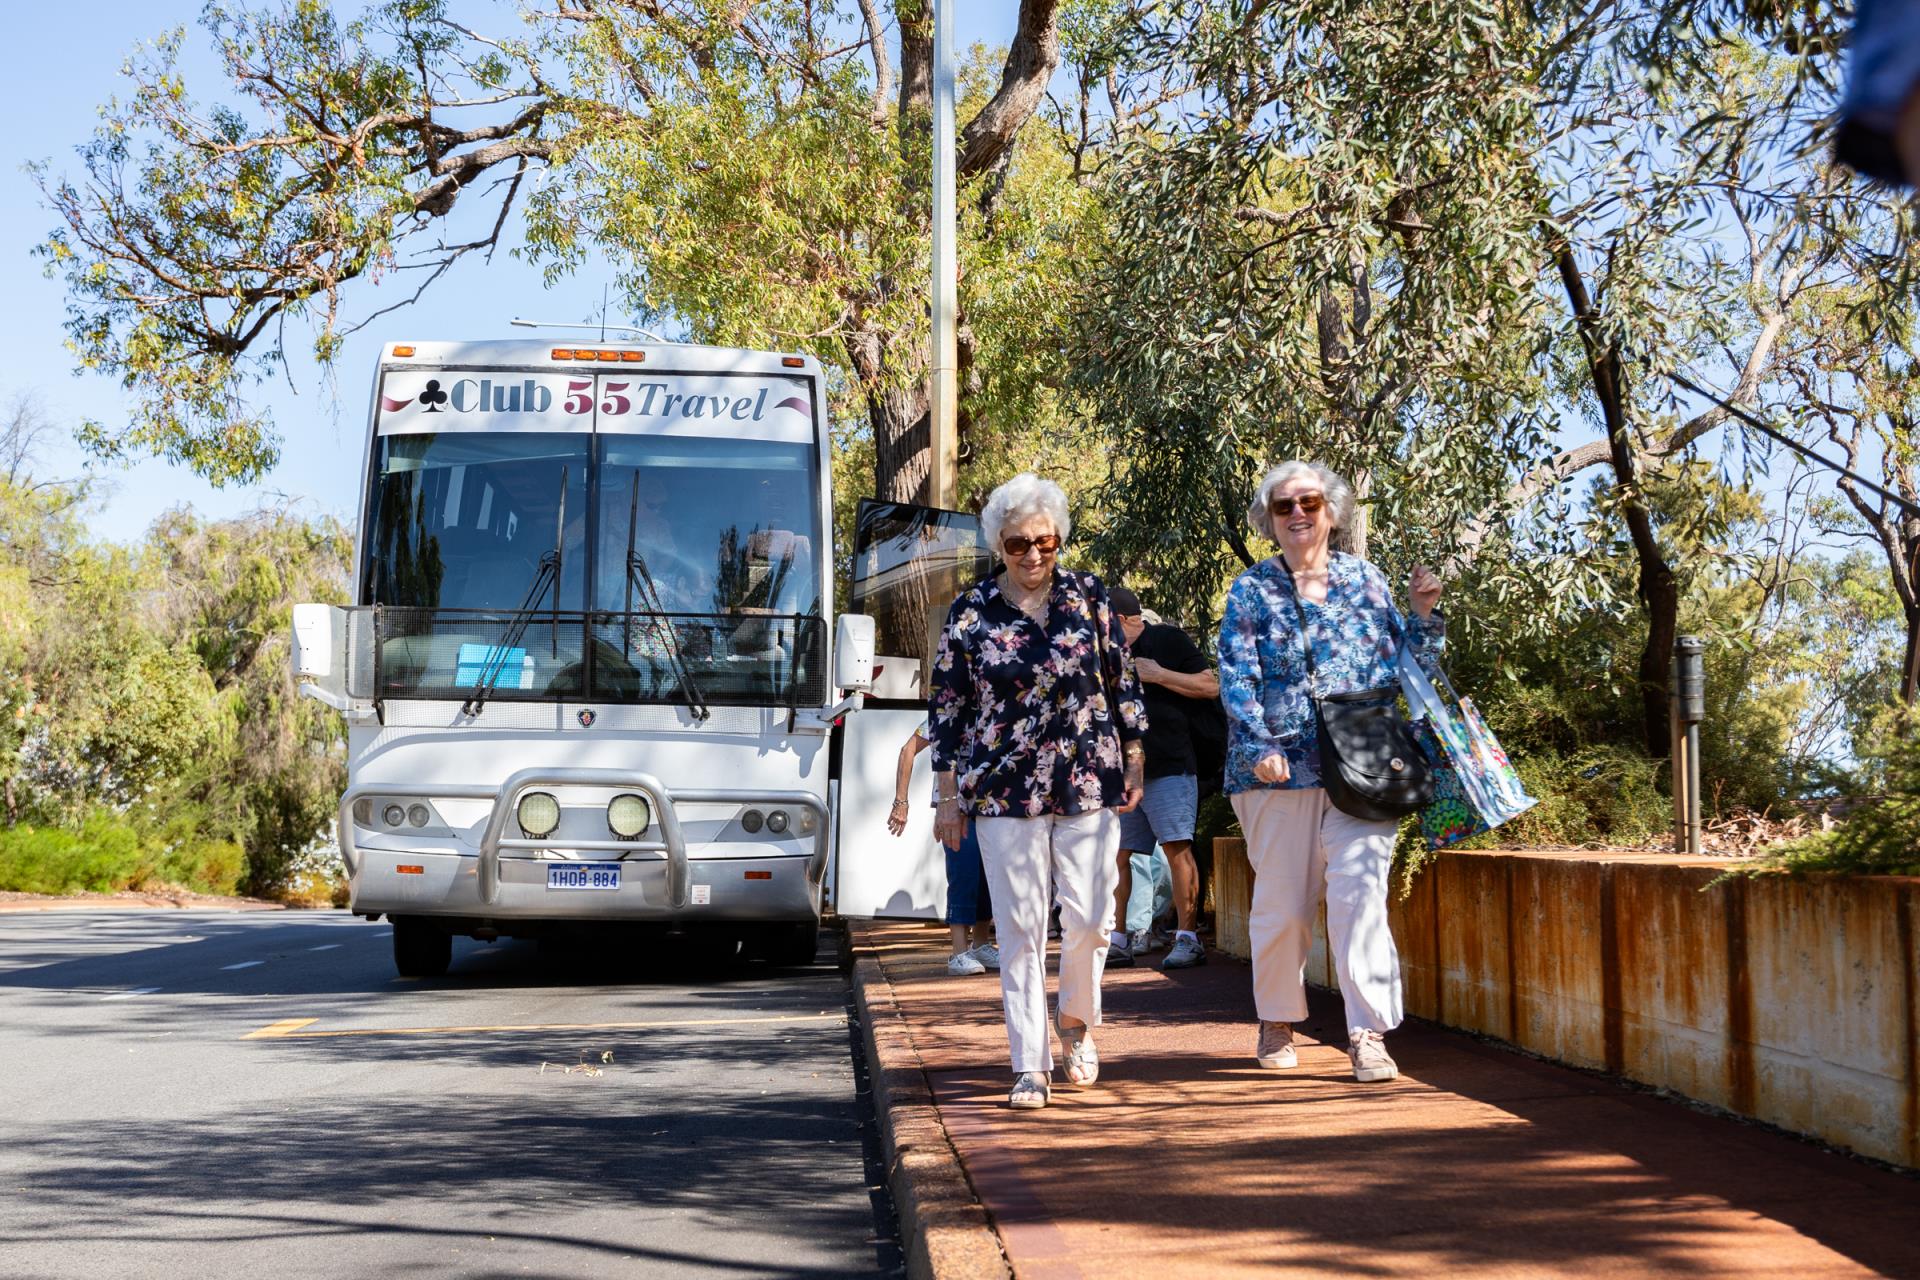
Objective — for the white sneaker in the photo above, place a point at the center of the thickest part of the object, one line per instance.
(1187, 952)
(1371, 1061)
(988, 955)
(1142, 942)
(964, 965)
(1275, 1050)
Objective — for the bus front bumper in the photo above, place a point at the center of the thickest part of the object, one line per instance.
(508, 878)
(746, 889)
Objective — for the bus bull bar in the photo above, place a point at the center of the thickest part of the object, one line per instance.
(493, 839)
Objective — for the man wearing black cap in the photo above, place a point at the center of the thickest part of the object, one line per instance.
(1172, 671)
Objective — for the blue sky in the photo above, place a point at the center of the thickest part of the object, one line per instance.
(322, 427)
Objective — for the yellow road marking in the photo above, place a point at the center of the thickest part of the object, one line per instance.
(276, 1030)
(290, 1028)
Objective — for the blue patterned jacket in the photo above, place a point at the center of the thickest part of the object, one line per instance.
(1263, 672)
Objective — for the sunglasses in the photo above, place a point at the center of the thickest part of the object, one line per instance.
(1308, 502)
(1046, 545)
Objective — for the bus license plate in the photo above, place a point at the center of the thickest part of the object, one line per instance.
(583, 875)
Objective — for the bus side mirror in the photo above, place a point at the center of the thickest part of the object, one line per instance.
(320, 653)
(853, 653)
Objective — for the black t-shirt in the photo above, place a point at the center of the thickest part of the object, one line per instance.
(1169, 741)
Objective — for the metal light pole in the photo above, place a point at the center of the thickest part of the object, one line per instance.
(944, 441)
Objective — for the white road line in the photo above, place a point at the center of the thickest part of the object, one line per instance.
(244, 964)
(128, 995)
(331, 946)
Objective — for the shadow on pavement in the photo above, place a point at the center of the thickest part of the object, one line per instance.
(1190, 1160)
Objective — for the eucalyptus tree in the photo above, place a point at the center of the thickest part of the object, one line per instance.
(754, 170)
(1436, 244)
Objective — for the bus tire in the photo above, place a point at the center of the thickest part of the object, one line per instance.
(791, 945)
(419, 949)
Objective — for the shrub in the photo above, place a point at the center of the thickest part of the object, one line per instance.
(101, 857)
(1881, 837)
(1601, 795)
(112, 851)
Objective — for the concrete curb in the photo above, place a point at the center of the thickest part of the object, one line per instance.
(134, 904)
(944, 1229)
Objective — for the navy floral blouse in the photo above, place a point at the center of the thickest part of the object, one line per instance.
(1033, 719)
(1263, 669)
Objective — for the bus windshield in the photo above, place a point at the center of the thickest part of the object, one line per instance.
(688, 567)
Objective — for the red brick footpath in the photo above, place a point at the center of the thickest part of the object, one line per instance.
(1188, 1160)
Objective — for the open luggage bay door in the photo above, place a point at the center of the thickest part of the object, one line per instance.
(909, 563)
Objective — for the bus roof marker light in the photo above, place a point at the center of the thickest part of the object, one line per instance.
(403, 351)
(633, 357)
(538, 814)
(794, 362)
(609, 356)
(562, 353)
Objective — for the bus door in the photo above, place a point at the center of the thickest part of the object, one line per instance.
(909, 563)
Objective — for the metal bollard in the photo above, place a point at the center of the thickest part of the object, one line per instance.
(1687, 701)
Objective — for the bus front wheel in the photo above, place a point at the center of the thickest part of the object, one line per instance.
(419, 949)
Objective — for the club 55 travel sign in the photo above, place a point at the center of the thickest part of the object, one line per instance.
(446, 400)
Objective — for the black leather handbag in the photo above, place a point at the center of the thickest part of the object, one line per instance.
(1370, 762)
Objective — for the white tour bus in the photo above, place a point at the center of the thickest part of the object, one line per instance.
(589, 675)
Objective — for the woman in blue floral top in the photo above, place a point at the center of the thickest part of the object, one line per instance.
(1300, 846)
(1036, 720)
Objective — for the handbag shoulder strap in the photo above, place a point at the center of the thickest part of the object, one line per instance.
(1300, 611)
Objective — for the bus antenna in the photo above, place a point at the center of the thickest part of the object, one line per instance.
(520, 323)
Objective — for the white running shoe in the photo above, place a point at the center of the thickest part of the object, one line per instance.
(1186, 954)
(1143, 942)
(988, 955)
(964, 965)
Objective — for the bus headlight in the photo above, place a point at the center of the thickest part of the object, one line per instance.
(393, 815)
(419, 815)
(777, 822)
(539, 814)
(751, 820)
(629, 815)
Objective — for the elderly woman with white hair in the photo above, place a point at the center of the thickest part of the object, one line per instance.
(1037, 721)
(1300, 846)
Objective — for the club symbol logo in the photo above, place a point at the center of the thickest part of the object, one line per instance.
(433, 397)
(586, 717)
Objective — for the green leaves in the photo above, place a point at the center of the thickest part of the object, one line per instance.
(197, 233)
(153, 681)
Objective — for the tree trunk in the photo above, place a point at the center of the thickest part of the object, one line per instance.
(1659, 588)
(902, 442)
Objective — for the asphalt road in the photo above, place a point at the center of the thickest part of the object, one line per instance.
(191, 1093)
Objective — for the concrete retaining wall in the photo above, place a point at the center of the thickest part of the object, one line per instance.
(1796, 1002)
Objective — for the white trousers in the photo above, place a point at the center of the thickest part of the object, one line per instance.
(1080, 856)
(1302, 848)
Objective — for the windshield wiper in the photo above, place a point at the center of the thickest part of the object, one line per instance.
(546, 576)
(638, 578)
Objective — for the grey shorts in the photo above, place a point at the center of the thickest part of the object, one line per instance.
(1165, 814)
